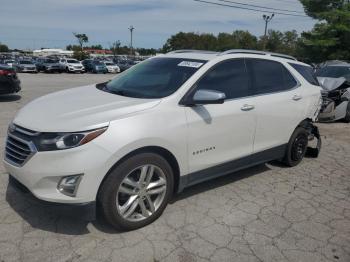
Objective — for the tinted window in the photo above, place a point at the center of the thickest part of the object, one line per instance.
(154, 78)
(270, 76)
(306, 72)
(229, 77)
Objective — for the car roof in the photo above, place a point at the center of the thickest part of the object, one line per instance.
(209, 55)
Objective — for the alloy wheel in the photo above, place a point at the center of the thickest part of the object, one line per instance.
(141, 193)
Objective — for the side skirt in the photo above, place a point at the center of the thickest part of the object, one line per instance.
(232, 166)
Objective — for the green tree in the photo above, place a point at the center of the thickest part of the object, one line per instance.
(82, 39)
(330, 37)
(3, 48)
(244, 39)
(115, 46)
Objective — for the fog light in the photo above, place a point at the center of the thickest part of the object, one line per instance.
(68, 185)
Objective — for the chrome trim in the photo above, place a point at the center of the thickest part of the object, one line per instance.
(76, 186)
(23, 157)
(23, 131)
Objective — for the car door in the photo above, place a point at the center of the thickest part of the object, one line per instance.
(278, 104)
(219, 133)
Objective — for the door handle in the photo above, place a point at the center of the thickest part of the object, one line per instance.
(247, 107)
(297, 97)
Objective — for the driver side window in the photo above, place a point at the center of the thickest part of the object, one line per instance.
(229, 77)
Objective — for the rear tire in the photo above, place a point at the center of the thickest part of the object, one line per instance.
(136, 192)
(296, 147)
(347, 116)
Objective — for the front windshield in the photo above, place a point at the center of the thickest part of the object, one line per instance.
(154, 78)
(72, 61)
(334, 71)
(25, 62)
(98, 62)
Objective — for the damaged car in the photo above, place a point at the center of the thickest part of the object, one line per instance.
(335, 81)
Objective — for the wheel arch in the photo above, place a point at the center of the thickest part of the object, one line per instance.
(169, 157)
(305, 123)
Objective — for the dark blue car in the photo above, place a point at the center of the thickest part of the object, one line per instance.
(94, 66)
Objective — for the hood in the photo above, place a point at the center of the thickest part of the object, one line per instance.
(329, 83)
(78, 109)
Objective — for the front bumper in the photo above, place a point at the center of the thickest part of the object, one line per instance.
(28, 70)
(73, 69)
(43, 171)
(86, 211)
(331, 112)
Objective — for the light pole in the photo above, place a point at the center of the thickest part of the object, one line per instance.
(267, 19)
(131, 28)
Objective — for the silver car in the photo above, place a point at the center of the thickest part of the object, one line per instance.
(25, 66)
(335, 81)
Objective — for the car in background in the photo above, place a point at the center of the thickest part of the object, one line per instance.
(71, 65)
(9, 62)
(94, 66)
(335, 71)
(48, 65)
(25, 66)
(112, 67)
(335, 81)
(9, 82)
(124, 64)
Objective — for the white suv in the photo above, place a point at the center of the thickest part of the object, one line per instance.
(167, 123)
(71, 65)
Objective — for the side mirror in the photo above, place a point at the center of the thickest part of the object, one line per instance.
(204, 97)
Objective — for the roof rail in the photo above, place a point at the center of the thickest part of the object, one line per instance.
(256, 52)
(192, 51)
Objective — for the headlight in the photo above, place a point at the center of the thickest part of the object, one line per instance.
(60, 141)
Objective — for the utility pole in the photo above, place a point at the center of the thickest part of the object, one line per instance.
(267, 19)
(131, 28)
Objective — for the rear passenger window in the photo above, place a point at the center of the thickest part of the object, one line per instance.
(270, 76)
(307, 72)
(229, 77)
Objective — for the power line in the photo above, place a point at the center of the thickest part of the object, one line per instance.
(247, 8)
(259, 6)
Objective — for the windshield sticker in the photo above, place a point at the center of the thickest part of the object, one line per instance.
(191, 64)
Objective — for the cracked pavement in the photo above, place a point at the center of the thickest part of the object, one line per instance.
(265, 213)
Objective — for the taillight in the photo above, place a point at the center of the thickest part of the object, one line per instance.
(6, 72)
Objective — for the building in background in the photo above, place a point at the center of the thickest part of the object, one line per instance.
(50, 51)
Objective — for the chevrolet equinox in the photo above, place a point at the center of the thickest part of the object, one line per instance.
(170, 122)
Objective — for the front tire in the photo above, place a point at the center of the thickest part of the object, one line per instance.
(136, 191)
(296, 147)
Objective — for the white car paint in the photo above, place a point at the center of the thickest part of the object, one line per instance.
(112, 68)
(136, 123)
(71, 65)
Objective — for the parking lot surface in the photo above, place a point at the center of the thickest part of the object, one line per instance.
(265, 213)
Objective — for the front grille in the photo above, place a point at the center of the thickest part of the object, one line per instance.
(19, 147)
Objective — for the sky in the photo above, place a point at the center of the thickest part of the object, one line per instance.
(32, 24)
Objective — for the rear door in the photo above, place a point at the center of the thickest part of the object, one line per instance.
(220, 133)
(278, 104)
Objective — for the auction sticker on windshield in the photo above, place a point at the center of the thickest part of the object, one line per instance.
(190, 64)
